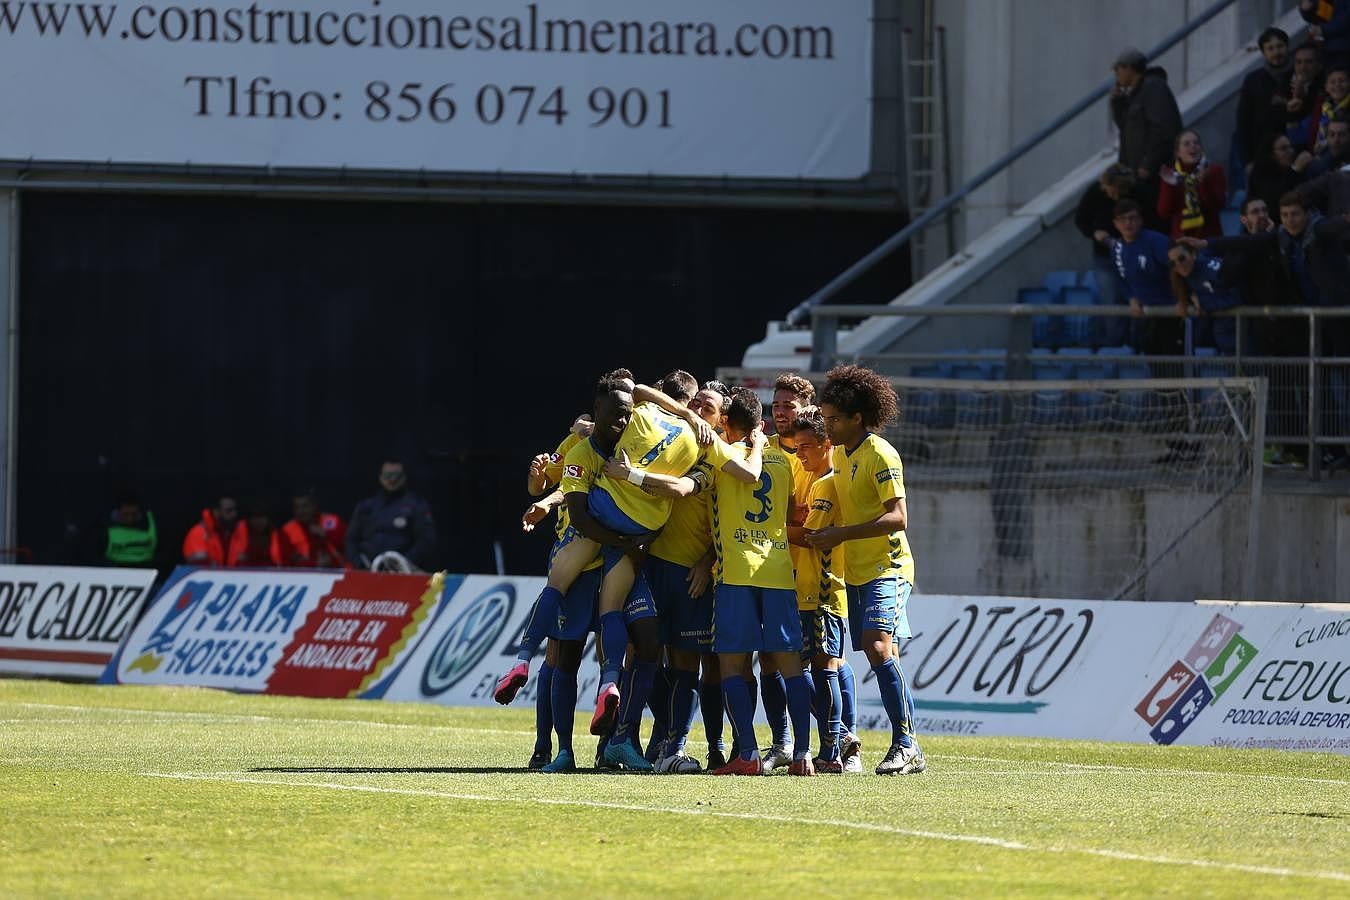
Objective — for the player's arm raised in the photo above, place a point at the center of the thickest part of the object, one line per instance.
(749, 469)
(702, 430)
(539, 510)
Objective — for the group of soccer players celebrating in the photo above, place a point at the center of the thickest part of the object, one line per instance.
(693, 544)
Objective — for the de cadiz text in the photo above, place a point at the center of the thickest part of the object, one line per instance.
(233, 96)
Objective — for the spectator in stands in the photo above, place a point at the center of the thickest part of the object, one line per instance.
(1261, 100)
(207, 543)
(1314, 267)
(1303, 87)
(1329, 23)
(1146, 113)
(254, 543)
(395, 520)
(1337, 153)
(131, 537)
(1200, 287)
(1329, 193)
(1193, 190)
(1311, 132)
(1141, 261)
(1094, 219)
(311, 539)
(1276, 170)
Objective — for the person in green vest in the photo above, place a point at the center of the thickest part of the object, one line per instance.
(132, 537)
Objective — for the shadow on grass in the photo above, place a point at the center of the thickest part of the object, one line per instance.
(416, 770)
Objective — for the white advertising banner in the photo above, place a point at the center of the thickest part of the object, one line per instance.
(67, 621)
(699, 88)
(1233, 675)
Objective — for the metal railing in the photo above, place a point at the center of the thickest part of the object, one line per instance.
(1309, 394)
(948, 205)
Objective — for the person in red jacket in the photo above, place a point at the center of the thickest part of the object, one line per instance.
(254, 542)
(1193, 190)
(311, 539)
(208, 542)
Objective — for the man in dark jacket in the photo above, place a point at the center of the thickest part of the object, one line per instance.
(395, 520)
(1337, 154)
(1261, 101)
(1146, 114)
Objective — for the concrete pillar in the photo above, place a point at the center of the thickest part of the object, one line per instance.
(9, 357)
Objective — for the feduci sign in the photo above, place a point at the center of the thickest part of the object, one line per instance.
(702, 88)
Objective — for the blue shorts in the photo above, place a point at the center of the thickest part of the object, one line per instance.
(822, 633)
(602, 506)
(638, 605)
(580, 609)
(750, 620)
(880, 605)
(686, 622)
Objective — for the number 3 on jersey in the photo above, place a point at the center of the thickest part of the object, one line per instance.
(765, 501)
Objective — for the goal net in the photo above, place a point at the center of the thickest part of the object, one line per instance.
(1110, 489)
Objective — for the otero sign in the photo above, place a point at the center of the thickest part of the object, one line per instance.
(704, 88)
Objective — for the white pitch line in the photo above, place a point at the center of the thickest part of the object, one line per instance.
(984, 840)
(1105, 767)
(239, 717)
(232, 717)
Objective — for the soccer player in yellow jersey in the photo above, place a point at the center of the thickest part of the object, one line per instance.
(755, 600)
(791, 394)
(821, 594)
(856, 403)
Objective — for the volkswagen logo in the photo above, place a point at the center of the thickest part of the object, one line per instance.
(468, 639)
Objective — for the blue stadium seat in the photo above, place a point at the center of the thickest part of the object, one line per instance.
(995, 365)
(1089, 281)
(1056, 281)
(1122, 350)
(925, 407)
(1091, 406)
(972, 409)
(1051, 407)
(1135, 406)
(1231, 221)
(1079, 331)
(1045, 330)
(1236, 199)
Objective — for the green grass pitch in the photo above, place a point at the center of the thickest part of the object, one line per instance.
(137, 792)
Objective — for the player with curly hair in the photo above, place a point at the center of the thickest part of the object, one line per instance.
(856, 404)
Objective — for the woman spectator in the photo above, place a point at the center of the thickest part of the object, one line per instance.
(1199, 285)
(1276, 170)
(1193, 190)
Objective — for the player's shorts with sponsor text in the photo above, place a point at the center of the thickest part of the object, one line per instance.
(637, 605)
(686, 622)
(751, 619)
(880, 605)
(822, 633)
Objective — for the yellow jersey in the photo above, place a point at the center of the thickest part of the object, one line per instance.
(802, 557)
(820, 582)
(581, 466)
(553, 474)
(657, 443)
(865, 477)
(749, 523)
(688, 532)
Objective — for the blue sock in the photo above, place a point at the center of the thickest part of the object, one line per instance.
(544, 611)
(811, 684)
(683, 690)
(543, 709)
(848, 689)
(634, 700)
(613, 644)
(564, 695)
(828, 712)
(799, 707)
(658, 701)
(773, 688)
(736, 694)
(899, 705)
(752, 688)
(710, 703)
